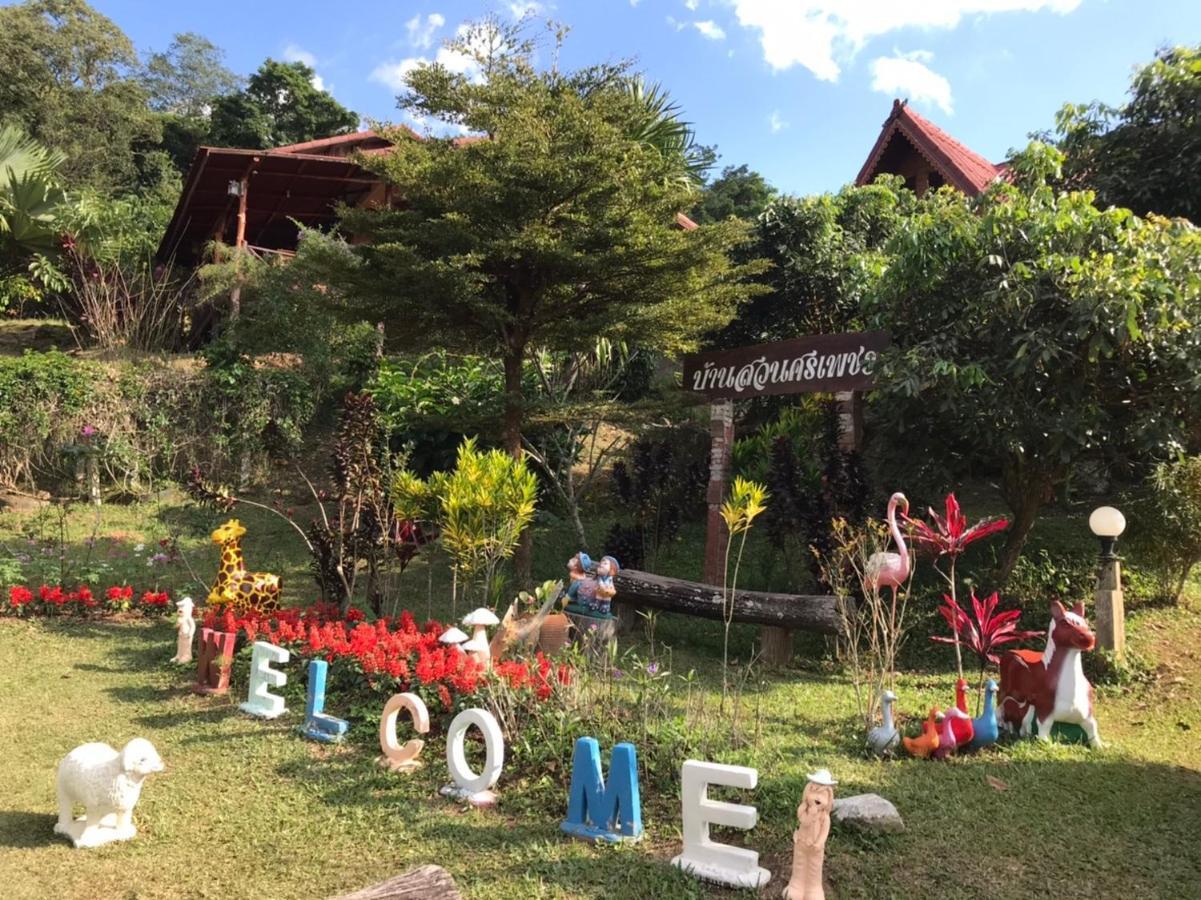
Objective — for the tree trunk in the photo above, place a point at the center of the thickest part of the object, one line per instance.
(1026, 492)
(793, 612)
(425, 883)
(513, 416)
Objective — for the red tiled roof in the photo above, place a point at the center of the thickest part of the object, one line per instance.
(964, 168)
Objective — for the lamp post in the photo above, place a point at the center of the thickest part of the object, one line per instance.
(1107, 524)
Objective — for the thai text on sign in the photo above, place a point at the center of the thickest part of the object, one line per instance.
(824, 362)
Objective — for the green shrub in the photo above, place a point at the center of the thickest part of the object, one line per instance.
(145, 421)
(1166, 537)
(42, 397)
(430, 404)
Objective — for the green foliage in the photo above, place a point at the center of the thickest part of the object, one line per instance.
(283, 316)
(32, 211)
(657, 125)
(279, 105)
(556, 228)
(187, 77)
(827, 254)
(660, 484)
(432, 402)
(480, 509)
(1144, 155)
(67, 82)
(1032, 330)
(40, 396)
(1170, 542)
(738, 191)
(256, 409)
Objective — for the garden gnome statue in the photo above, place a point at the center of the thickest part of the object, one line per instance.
(605, 570)
(809, 840)
(581, 590)
(107, 784)
(186, 627)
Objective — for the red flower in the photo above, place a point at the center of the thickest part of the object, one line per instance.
(985, 634)
(951, 535)
(19, 596)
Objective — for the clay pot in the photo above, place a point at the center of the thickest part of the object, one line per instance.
(555, 633)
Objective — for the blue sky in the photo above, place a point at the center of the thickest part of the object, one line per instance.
(797, 89)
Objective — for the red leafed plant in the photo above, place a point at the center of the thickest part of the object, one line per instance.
(950, 536)
(990, 630)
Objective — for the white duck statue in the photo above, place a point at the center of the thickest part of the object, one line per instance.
(883, 739)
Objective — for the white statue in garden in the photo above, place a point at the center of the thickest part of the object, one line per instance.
(107, 784)
(186, 629)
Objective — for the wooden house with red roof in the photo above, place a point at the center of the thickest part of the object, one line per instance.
(926, 156)
(253, 199)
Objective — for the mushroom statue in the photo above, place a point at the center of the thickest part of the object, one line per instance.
(478, 620)
(452, 637)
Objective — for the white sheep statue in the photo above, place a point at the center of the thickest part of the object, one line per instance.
(107, 783)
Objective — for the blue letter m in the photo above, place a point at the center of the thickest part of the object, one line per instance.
(599, 811)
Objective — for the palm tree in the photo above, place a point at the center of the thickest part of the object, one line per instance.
(659, 126)
(31, 201)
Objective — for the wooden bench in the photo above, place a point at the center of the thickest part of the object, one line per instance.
(779, 614)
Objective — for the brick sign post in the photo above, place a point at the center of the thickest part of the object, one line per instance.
(839, 364)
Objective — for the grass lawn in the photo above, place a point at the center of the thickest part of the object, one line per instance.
(249, 809)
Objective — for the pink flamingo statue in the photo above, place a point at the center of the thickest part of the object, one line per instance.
(891, 569)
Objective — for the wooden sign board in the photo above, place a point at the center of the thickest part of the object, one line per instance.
(818, 363)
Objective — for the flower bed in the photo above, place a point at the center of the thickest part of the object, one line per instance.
(57, 601)
(387, 656)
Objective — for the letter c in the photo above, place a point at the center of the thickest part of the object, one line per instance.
(396, 757)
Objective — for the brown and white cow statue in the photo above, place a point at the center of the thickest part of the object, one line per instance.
(1050, 687)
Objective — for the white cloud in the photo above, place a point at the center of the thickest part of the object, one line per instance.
(393, 74)
(524, 8)
(710, 29)
(907, 75)
(776, 121)
(421, 32)
(676, 23)
(821, 35)
(692, 4)
(295, 53)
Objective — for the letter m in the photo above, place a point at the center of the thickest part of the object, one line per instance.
(599, 811)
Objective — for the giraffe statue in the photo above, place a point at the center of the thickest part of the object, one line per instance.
(242, 590)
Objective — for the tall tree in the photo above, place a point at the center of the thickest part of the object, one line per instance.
(552, 225)
(738, 191)
(187, 77)
(67, 81)
(182, 83)
(280, 105)
(827, 253)
(1145, 155)
(1032, 331)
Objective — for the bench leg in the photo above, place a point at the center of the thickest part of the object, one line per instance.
(776, 646)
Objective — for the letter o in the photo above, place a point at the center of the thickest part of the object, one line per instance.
(494, 745)
(394, 755)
